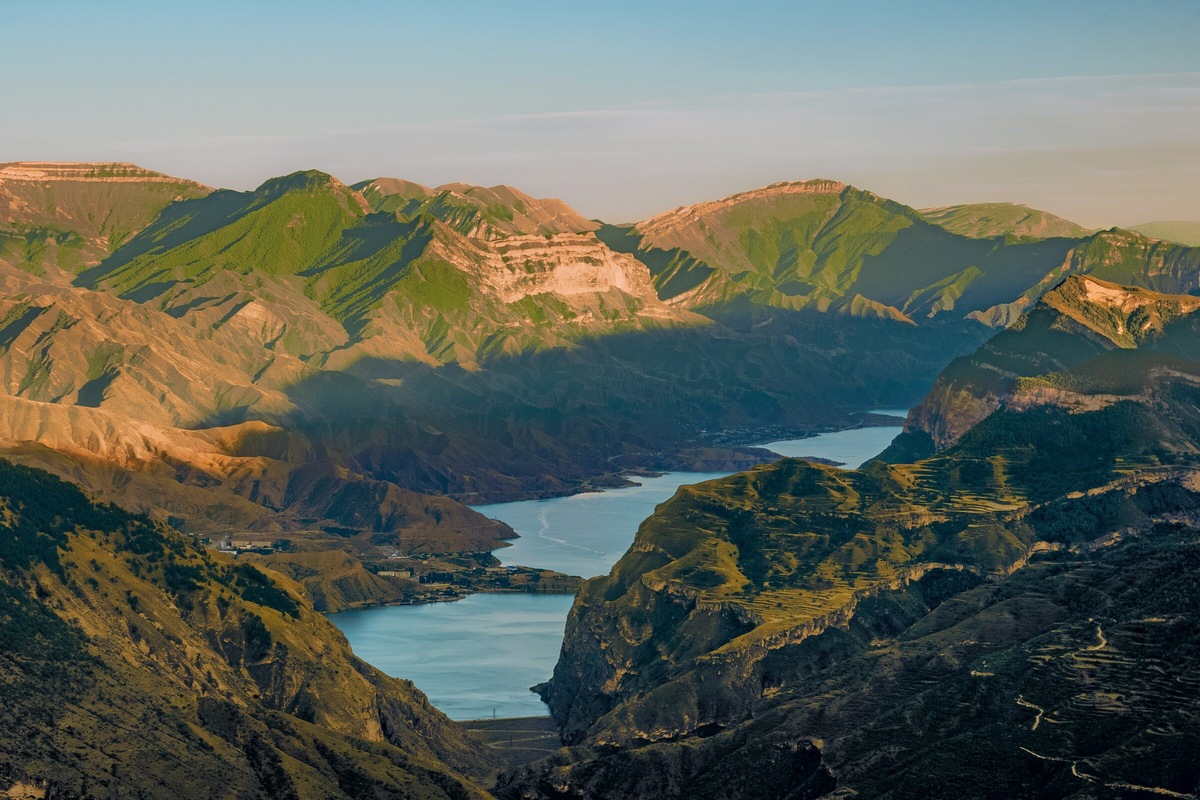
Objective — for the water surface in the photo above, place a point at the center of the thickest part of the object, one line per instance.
(480, 655)
(474, 657)
(584, 534)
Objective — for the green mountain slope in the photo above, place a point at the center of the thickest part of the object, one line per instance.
(989, 220)
(403, 283)
(69, 216)
(1179, 231)
(137, 664)
(891, 629)
(1086, 343)
(828, 247)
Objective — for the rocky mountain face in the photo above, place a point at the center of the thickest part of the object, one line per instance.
(981, 622)
(135, 663)
(309, 357)
(304, 259)
(1086, 345)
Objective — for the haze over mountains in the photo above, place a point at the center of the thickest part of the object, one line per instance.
(986, 610)
(236, 360)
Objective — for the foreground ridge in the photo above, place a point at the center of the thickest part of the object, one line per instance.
(798, 630)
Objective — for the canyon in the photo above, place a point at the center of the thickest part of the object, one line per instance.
(331, 375)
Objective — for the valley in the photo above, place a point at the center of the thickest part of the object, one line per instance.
(480, 658)
(316, 397)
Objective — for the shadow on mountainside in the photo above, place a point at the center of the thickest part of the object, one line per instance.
(551, 422)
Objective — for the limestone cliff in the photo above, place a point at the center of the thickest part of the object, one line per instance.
(1067, 351)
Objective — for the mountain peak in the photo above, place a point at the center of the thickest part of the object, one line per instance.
(399, 187)
(989, 220)
(685, 215)
(306, 180)
(310, 181)
(491, 212)
(1126, 315)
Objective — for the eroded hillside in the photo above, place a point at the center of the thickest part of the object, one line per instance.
(796, 629)
(137, 663)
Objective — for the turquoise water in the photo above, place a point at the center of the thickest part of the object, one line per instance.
(473, 656)
(480, 655)
(851, 448)
(584, 534)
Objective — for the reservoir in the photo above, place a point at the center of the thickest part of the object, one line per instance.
(478, 656)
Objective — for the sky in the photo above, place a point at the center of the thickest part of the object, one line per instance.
(625, 109)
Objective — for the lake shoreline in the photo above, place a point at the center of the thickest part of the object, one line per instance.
(628, 479)
(486, 650)
(745, 446)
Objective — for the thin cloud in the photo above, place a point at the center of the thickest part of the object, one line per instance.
(1055, 142)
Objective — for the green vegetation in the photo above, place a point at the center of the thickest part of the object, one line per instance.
(110, 623)
(912, 618)
(992, 220)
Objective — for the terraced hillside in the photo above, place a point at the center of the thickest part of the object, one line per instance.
(928, 629)
(135, 663)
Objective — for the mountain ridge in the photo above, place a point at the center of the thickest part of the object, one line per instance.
(481, 343)
(1030, 360)
(883, 630)
(986, 220)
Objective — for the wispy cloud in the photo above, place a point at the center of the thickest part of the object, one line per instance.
(1103, 150)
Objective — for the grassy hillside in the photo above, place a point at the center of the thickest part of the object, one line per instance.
(888, 630)
(991, 220)
(826, 246)
(137, 664)
(69, 216)
(409, 282)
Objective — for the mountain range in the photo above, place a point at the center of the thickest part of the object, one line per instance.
(1001, 605)
(210, 354)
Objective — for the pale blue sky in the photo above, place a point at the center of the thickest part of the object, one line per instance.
(1088, 109)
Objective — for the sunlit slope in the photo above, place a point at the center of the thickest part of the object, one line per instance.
(407, 284)
(1087, 344)
(990, 220)
(136, 662)
(476, 211)
(824, 246)
(69, 216)
(828, 621)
